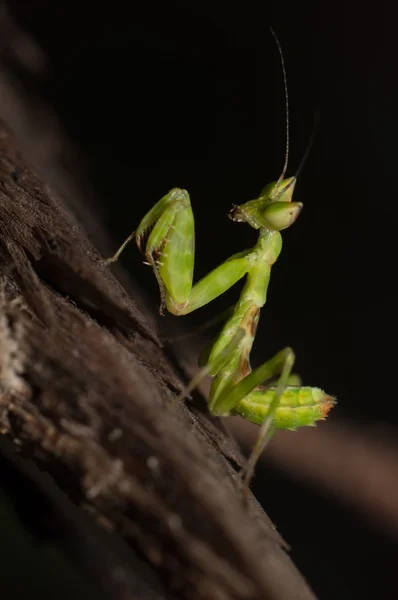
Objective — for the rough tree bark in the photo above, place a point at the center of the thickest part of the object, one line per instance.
(85, 386)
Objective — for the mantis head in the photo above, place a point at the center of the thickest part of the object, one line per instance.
(273, 209)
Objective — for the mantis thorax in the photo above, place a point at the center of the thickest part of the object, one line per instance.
(269, 245)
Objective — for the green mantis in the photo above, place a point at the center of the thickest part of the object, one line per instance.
(166, 237)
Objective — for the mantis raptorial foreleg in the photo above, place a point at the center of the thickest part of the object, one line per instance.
(169, 248)
(166, 237)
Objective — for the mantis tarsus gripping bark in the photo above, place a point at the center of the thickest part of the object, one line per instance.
(166, 237)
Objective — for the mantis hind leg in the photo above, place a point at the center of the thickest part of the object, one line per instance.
(267, 429)
(228, 399)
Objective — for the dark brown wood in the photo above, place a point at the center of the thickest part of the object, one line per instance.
(86, 389)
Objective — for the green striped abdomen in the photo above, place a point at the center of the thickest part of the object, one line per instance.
(298, 406)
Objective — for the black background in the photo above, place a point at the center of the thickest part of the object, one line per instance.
(191, 95)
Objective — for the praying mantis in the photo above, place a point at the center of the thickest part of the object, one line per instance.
(166, 237)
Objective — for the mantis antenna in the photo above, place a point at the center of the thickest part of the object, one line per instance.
(278, 45)
(312, 137)
(304, 158)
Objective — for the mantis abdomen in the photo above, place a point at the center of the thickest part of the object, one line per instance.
(298, 406)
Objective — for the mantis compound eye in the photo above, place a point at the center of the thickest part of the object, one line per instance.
(280, 215)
